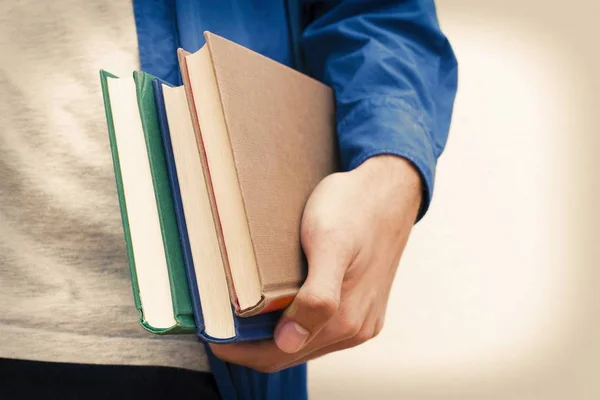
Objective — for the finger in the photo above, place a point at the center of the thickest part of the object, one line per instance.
(319, 297)
(319, 353)
(265, 356)
(356, 322)
(369, 331)
(248, 354)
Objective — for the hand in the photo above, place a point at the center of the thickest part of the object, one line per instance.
(354, 229)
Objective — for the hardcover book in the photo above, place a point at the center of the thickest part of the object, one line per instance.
(265, 135)
(153, 247)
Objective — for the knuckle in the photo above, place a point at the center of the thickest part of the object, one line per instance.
(349, 326)
(307, 230)
(378, 327)
(324, 227)
(350, 329)
(322, 306)
(363, 335)
(318, 228)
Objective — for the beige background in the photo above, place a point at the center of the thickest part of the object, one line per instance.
(498, 296)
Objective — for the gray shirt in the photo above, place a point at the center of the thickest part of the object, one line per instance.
(65, 291)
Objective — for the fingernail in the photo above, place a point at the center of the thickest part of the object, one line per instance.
(290, 337)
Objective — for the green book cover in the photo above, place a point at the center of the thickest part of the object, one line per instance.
(182, 307)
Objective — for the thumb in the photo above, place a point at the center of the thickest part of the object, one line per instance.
(317, 300)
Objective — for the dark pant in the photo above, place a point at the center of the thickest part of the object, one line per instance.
(43, 380)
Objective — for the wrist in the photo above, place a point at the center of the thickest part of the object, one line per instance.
(394, 174)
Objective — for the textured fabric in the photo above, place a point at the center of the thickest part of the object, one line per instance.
(394, 75)
(65, 291)
(34, 379)
(393, 72)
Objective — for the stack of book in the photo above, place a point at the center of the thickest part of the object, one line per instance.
(212, 178)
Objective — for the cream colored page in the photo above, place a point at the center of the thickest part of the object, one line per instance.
(142, 211)
(236, 234)
(210, 273)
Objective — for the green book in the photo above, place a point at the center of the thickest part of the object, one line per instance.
(156, 264)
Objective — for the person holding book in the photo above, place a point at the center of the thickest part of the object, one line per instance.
(67, 324)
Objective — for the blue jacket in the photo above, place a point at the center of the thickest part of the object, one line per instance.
(393, 72)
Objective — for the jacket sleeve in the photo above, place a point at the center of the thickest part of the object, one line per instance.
(394, 75)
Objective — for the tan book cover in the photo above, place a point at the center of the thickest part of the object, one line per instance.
(266, 134)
